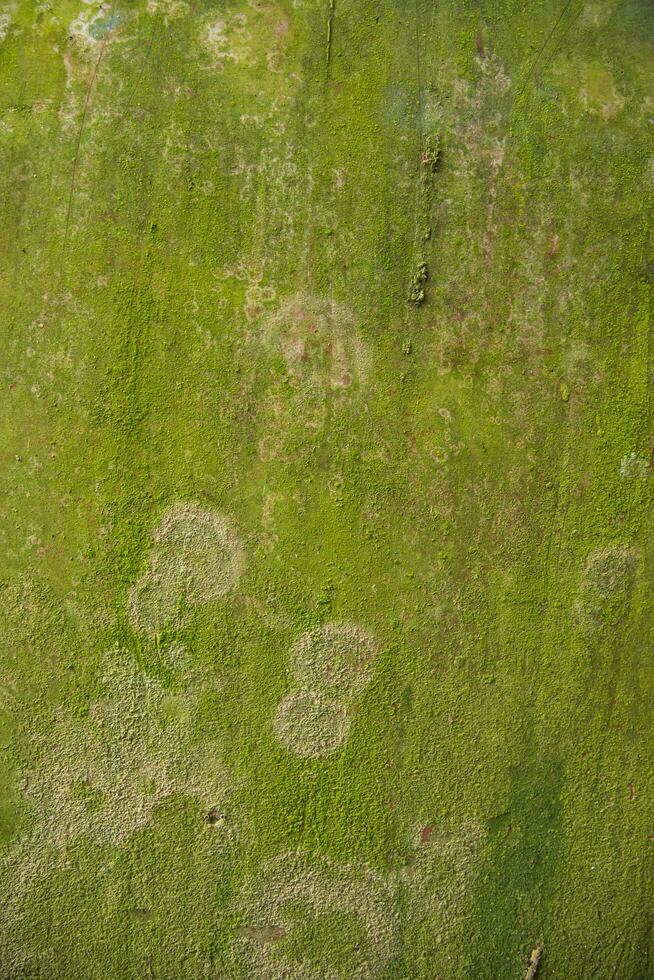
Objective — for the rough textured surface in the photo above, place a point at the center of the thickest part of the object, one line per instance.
(330, 665)
(326, 431)
(196, 559)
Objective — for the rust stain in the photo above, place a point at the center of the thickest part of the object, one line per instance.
(425, 834)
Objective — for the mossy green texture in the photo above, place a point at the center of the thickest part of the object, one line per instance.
(370, 286)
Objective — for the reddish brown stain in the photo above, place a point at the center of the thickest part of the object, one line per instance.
(481, 51)
(263, 934)
(425, 834)
(281, 28)
(553, 249)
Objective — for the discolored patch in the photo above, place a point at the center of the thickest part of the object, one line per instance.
(227, 38)
(334, 658)
(104, 774)
(634, 467)
(132, 752)
(309, 724)
(318, 365)
(93, 27)
(196, 558)
(606, 583)
(252, 35)
(170, 10)
(5, 24)
(331, 667)
(307, 917)
(598, 92)
(319, 341)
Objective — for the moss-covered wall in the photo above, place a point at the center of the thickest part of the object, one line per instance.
(326, 529)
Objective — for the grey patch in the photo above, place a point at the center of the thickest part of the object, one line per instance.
(634, 467)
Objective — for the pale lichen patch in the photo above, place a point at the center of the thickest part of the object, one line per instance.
(5, 24)
(310, 725)
(330, 666)
(297, 902)
(102, 775)
(634, 467)
(319, 341)
(319, 364)
(438, 884)
(227, 38)
(607, 579)
(334, 658)
(196, 558)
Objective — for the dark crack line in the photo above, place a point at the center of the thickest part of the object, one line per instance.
(540, 53)
(139, 78)
(87, 103)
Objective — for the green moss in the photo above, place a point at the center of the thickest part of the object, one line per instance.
(373, 282)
